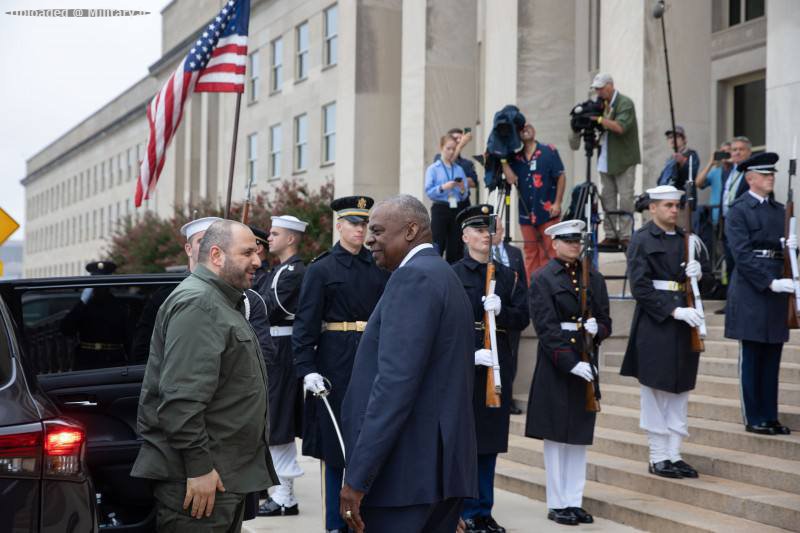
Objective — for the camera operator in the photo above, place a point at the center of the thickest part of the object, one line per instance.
(619, 155)
(669, 176)
(713, 175)
(447, 187)
(538, 173)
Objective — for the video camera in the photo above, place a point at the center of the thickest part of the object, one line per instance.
(584, 116)
(503, 143)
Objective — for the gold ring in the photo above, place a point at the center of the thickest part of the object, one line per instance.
(348, 515)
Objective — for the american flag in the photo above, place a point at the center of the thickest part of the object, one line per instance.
(216, 63)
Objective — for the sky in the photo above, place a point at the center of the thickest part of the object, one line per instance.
(57, 71)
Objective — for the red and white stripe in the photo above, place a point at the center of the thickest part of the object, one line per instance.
(225, 70)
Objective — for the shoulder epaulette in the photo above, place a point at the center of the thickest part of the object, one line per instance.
(320, 256)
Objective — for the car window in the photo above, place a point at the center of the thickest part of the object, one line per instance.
(71, 329)
(5, 348)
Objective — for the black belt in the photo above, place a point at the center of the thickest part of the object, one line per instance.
(768, 254)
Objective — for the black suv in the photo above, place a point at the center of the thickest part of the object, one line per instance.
(72, 359)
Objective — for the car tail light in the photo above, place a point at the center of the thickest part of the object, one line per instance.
(63, 448)
(21, 451)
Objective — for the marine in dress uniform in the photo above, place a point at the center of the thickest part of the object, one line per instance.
(659, 351)
(557, 402)
(757, 297)
(282, 291)
(339, 292)
(510, 306)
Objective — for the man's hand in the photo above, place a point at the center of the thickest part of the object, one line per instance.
(483, 357)
(694, 270)
(690, 315)
(350, 508)
(314, 383)
(679, 158)
(462, 526)
(492, 304)
(591, 326)
(555, 210)
(465, 139)
(782, 285)
(201, 492)
(583, 370)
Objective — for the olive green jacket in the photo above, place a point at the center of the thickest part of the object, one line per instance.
(204, 395)
(623, 150)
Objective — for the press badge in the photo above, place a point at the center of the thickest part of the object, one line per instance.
(452, 201)
(532, 165)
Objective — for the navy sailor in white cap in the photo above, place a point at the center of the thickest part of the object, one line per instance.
(659, 350)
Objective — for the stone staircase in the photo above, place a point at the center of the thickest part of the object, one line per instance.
(747, 482)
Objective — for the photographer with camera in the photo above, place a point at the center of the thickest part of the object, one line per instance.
(714, 174)
(671, 175)
(447, 186)
(462, 136)
(538, 173)
(619, 155)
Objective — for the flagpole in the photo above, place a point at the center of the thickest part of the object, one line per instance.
(233, 152)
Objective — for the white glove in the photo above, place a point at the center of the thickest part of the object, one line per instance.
(86, 295)
(314, 383)
(693, 269)
(791, 242)
(782, 285)
(583, 370)
(483, 357)
(690, 315)
(591, 326)
(492, 303)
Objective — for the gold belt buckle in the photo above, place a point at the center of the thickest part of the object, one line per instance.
(360, 325)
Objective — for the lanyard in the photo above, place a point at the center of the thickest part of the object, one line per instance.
(452, 173)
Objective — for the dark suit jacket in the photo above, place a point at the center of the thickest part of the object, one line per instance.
(516, 262)
(407, 416)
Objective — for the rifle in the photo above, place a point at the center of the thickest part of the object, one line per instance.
(790, 257)
(587, 350)
(493, 387)
(246, 207)
(692, 245)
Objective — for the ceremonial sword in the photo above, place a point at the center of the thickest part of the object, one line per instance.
(323, 395)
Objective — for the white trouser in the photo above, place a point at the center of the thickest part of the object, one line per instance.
(664, 418)
(565, 466)
(284, 457)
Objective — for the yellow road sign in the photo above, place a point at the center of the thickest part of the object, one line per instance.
(1, 269)
(7, 226)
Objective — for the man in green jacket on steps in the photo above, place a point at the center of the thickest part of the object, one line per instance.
(619, 155)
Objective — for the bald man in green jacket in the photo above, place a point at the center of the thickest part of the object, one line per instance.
(203, 407)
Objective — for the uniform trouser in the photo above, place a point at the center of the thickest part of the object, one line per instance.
(759, 366)
(284, 457)
(446, 233)
(171, 518)
(482, 506)
(613, 186)
(664, 417)
(565, 466)
(538, 247)
(331, 486)
(439, 517)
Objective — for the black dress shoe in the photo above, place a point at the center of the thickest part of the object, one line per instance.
(684, 468)
(514, 410)
(664, 469)
(474, 525)
(491, 525)
(720, 311)
(581, 514)
(562, 516)
(272, 508)
(761, 429)
(780, 429)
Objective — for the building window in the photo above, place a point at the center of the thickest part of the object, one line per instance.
(749, 111)
(276, 55)
(329, 133)
(252, 158)
(128, 164)
(111, 172)
(102, 222)
(300, 142)
(301, 68)
(275, 151)
(119, 169)
(255, 73)
(331, 35)
(751, 9)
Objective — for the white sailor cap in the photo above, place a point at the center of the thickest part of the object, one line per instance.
(196, 226)
(289, 222)
(569, 230)
(665, 192)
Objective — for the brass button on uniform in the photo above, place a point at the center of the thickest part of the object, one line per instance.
(572, 340)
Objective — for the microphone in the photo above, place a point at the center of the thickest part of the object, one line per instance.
(658, 9)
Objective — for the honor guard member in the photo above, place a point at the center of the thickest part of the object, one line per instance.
(339, 291)
(263, 251)
(557, 402)
(510, 306)
(282, 286)
(659, 352)
(757, 296)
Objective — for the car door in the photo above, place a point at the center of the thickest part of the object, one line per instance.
(86, 341)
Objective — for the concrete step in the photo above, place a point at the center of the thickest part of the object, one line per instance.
(743, 467)
(633, 508)
(724, 367)
(718, 387)
(700, 406)
(726, 348)
(759, 504)
(717, 333)
(711, 433)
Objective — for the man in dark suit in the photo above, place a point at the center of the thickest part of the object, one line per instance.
(511, 256)
(407, 415)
